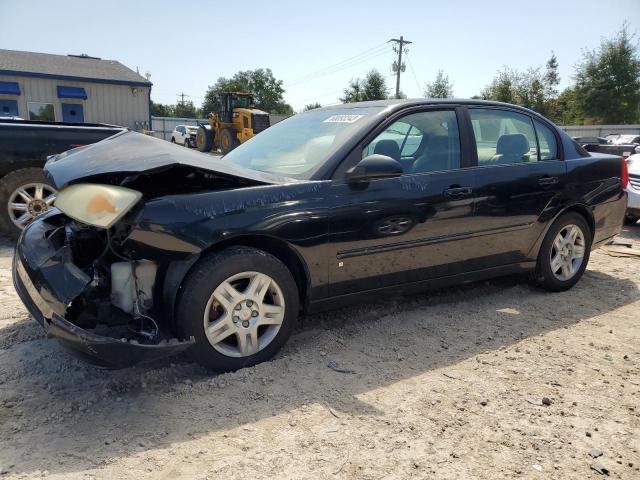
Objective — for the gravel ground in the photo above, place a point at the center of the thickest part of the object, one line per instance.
(489, 380)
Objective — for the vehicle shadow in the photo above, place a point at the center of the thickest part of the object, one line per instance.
(77, 417)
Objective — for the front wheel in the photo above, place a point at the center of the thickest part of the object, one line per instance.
(240, 305)
(228, 140)
(564, 253)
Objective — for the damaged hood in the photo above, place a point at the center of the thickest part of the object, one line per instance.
(131, 153)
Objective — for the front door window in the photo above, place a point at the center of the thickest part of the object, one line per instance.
(422, 142)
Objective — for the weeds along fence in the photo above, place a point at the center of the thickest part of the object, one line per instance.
(163, 126)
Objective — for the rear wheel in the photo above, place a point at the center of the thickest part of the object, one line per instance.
(228, 140)
(25, 194)
(240, 305)
(564, 253)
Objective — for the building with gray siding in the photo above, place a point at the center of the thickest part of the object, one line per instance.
(73, 88)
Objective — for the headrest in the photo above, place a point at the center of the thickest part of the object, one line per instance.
(389, 148)
(514, 144)
(438, 144)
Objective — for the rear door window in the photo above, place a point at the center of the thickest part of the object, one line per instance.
(547, 142)
(503, 137)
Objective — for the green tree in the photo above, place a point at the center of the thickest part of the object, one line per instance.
(354, 91)
(552, 76)
(312, 106)
(185, 110)
(567, 109)
(161, 110)
(531, 89)
(608, 81)
(503, 86)
(441, 87)
(373, 87)
(267, 90)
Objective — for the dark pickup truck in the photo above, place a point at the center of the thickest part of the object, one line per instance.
(24, 146)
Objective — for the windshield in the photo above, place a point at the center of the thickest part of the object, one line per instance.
(241, 101)
(299, 145)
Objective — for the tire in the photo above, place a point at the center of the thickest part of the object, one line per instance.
(209, 281)
(173, 139)
(228, 140)
(630, 219)
(204, 138)
(31, 179)
(544, 275)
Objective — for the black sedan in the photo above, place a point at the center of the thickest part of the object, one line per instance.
(154, 249)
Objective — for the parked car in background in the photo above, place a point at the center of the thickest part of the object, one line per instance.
(633, 189)
(591, 140)
(591, 143)
(152, 250)
(625, 139)
(616, 144)
(184, 135)
(24, 147)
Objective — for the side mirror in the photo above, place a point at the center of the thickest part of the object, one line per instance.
(373, 167)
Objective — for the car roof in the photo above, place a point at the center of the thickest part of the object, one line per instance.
(397, 104)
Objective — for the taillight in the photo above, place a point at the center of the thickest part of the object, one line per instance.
(624, 178)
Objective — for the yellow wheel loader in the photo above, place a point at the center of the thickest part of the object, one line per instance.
(236, 121)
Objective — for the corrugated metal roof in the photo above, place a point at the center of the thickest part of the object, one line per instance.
(67, 66)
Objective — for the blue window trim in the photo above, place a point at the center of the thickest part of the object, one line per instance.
(16, 73)
(71, 92)
(10, 88)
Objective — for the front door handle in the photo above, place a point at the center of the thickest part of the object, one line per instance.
(546, 181)
(457, 192)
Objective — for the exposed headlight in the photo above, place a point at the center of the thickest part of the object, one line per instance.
(97, 205)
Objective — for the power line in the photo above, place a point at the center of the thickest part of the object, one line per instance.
(414, 75)
(366, 52)
(351, 61)
(399, 66)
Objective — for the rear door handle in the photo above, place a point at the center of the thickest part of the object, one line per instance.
(548, 180)
(457, 192)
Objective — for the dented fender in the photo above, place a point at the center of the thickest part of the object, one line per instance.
(47, 281)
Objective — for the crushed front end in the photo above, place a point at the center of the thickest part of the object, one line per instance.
(83, 291)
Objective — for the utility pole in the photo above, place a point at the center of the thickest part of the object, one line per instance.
(398, 66)
(182, 95)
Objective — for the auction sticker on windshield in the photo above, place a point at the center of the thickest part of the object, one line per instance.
(343, 118)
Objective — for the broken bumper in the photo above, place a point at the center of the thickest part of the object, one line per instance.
(47, 281)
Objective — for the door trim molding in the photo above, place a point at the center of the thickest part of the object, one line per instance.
(373, 249)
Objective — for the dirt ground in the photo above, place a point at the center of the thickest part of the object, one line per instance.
(446, 384)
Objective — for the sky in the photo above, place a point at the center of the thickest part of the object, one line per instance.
(316, 47)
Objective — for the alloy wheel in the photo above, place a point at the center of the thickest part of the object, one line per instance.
(567, 252)
(244, 314)
(28, 201)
